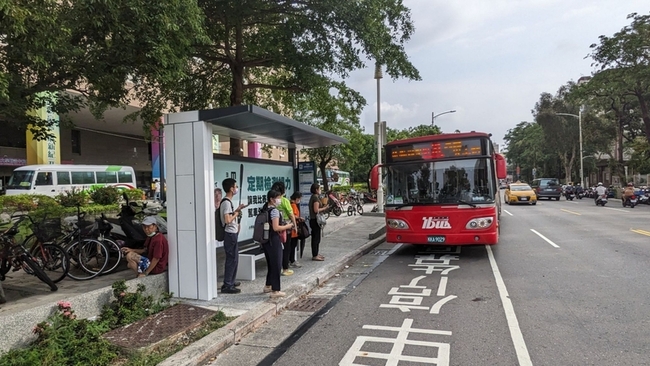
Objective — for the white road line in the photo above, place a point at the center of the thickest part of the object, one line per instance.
(616, 209)
(511, 317)
(545, 238)
(506, 211)
(442, 288)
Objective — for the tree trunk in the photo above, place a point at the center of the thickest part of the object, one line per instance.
(322, 164)
(645, 114)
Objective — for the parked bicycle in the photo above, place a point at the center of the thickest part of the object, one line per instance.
(355, 203)
(15, 256)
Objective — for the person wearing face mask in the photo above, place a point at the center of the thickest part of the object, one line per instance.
(273, 248)
(230, 242)
(295, 206)
(156, 248)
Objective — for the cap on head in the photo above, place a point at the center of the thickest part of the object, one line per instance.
(149, 220)
(600, 184)
(630, 184)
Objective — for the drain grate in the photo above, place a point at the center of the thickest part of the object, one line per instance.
(308, 304)
(379, 252)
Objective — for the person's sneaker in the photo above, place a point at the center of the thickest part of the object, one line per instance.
(295, 265)
(237, 284)
(287, 272)
(267, 289)
(276, 294)
(230, 290)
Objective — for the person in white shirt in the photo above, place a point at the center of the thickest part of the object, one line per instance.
(600, 190)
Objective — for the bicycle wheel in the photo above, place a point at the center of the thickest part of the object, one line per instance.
(114, 255)
(53, 260)
(360, 209)
(33, 268)
(88, 259)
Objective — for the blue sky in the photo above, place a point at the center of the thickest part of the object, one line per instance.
(490, 60)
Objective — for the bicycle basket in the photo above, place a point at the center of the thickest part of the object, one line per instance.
(47, 230)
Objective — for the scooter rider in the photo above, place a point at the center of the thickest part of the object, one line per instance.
(628, 192)
(600, 190)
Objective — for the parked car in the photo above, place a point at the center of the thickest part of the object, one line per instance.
(547, 188)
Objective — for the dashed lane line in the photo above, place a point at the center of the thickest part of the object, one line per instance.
(513, 324)
(506, 211)
(571, 212)
(615, 209)
(545, 238)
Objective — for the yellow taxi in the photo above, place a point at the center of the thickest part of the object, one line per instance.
(519, 192)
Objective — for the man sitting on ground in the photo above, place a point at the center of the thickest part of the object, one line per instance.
(155, 247)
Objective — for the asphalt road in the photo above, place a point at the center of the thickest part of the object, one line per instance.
(567, 284)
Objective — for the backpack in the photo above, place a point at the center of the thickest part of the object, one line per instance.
(219, 225)
(258, 228)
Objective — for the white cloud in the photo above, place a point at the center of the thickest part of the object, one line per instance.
(490, 60)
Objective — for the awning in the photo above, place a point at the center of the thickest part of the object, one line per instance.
(255, 124)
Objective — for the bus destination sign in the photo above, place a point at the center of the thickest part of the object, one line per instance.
(435, 150)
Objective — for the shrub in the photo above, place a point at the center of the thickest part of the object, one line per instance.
(73, 198)
(134, 194)
(129, 307)
(105, 195)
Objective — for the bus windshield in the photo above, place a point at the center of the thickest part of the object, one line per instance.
(21, 179)
(441, 182)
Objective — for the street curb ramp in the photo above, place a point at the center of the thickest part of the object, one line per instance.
(218, 341)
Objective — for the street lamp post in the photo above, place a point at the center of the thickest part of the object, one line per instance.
(380, 185)
(579, 117)
(434, 116)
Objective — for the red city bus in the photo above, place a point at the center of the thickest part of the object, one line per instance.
(442, 189)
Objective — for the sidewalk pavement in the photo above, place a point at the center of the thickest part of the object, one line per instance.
(342, 244)
(29, 301)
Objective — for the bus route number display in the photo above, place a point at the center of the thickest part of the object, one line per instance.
(436, 150)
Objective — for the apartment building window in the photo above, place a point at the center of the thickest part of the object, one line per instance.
(75, 141)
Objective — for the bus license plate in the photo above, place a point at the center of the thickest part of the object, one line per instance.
(436, 239)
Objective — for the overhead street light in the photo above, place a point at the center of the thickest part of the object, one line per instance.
(579, 117)
(434, 116)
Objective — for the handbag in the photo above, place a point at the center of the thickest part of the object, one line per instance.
(321, 219)
(303, 230)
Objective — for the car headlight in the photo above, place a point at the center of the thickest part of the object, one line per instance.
(479, 223)
(397, 224)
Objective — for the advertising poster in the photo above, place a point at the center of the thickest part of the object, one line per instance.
(257, 181)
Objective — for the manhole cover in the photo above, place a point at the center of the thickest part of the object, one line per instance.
(308, 304)
(169, 322)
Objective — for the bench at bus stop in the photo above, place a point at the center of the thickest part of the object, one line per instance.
(248, 255)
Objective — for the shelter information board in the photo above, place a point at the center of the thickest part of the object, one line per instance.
(306, 177)
(257, 181)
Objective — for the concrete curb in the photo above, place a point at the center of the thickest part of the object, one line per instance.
(218, 341)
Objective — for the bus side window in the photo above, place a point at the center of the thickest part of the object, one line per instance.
(44, 179)
(106, 177)
(125, 177)
(62, 178)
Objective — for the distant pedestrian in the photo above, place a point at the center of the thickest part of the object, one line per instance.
(287, 215)
(229, 216)
(315, 208)
(295, 206)
(156, 189)
(273, 248)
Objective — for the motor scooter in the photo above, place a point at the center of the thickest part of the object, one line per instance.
(128, 230)
(334, 204)
(630, 201)
(602, 200)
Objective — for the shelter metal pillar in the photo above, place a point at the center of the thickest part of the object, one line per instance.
(190, 222)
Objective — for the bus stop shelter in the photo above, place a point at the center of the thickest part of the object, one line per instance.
(192, 267)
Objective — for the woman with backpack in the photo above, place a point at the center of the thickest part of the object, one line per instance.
(273, 247)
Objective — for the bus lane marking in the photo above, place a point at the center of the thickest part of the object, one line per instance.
(506, 211)
(642, 232)
(513, 324)
(407, 298)
(545, 238)
(571, 212)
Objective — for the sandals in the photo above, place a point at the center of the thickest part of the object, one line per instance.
(319, 258)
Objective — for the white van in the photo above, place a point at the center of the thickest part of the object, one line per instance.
(54, 179)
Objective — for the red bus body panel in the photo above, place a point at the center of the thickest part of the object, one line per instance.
(421, 220)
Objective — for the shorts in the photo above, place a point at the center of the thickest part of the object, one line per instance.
(144, 264)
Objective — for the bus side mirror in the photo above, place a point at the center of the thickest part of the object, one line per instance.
(502, 171)
(372, 179)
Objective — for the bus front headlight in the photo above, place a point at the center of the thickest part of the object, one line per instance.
(397, 224)
(479, 223)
